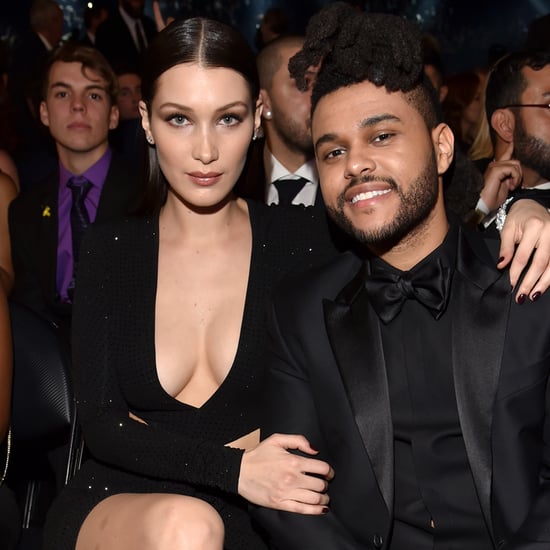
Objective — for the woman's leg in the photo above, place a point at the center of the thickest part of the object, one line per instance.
(152, 522)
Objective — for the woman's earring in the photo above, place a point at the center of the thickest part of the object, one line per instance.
(268, 115)
(150, 139)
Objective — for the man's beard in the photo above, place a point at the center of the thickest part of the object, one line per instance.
(296, 137)
(416, 204)
(532, 152)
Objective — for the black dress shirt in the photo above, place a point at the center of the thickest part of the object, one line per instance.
(435, 503)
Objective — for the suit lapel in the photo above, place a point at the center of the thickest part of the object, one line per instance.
(354, 333)
(480, 302)
(46, 248)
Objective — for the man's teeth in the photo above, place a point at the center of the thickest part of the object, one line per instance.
(368, 195)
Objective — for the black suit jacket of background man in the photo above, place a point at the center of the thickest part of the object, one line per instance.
(33, 235)
(327, 380)
(114, 40)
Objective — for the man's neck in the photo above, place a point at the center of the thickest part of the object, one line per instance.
(418, 243)
(78, 163)
(530, 178)
(291, 160)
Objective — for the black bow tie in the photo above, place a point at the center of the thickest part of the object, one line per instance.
(429, 285)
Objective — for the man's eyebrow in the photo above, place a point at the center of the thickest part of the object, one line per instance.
(374, 120)
(61, 84)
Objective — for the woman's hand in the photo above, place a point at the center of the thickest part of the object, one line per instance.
(274, 478)
(527, 226)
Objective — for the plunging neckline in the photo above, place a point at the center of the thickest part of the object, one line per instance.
(246, 314)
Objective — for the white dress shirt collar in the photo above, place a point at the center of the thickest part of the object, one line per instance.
(275, 171)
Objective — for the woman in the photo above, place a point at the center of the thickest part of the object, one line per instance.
(9, 519)
(463, 107)
(168, 325)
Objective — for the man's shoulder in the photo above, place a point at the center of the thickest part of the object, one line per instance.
(38, 201)
(322, 282)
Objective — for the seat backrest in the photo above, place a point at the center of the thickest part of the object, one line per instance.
(43, 404)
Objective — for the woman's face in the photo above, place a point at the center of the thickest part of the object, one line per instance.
(473, 111)
(201, 120)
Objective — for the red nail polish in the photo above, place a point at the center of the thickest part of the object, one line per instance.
(521, 299)
(325, 510)
(500, 259)
(536, 296)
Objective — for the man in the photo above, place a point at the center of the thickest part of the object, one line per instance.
(126, 33)
(290, 173)
(516, 105)
(94, 15)
(25, 78)
(413, 372)
(46, 224)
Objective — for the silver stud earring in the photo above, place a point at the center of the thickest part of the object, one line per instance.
(150, 139)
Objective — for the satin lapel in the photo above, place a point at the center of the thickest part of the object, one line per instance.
(480, 302)
(354, 333)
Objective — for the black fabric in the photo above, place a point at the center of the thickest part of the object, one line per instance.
(141, 40)
(288, 189)
(542, 196)
(428, 285)
(435, 504)
(33, 223)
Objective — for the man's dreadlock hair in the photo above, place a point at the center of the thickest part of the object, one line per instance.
(351, 48)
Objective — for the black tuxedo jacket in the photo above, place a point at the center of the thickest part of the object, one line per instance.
(327, 380)
(33, 224)
(114, 40)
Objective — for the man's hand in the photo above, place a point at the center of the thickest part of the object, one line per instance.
(527, 226)
(502, 176)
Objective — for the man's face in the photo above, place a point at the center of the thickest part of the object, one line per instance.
(532, 126)
(377, 162)
(290, 107)
(77, 109)
(134, 8)
(129, 95)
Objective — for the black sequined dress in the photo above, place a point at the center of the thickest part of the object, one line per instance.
(182, 448)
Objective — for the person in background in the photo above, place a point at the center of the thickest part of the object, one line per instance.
(274, 23)
(463, 107)
(35, 153)
(290, 174)
(10, 517)
(127, 137)
(94, 15)
(124, 36)
(515, 101)
(91, 183)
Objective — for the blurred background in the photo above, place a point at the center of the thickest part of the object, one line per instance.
(470, 32)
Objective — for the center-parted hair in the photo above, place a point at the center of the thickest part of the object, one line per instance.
(351, 48)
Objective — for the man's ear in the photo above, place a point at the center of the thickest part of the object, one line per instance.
(266, 102)
(44, 114)
(113, 117)
(443, 142)
(503, 123)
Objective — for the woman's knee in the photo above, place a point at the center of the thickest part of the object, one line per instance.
(187, 524)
